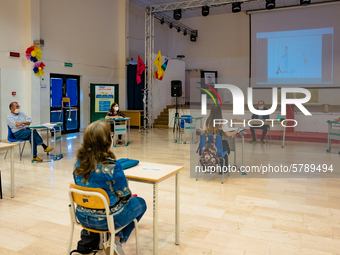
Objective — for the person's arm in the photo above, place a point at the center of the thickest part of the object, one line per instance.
(109, 116)
(122, 114)
(10, 122)
(121, 185)
(231, 133)
(201, 129)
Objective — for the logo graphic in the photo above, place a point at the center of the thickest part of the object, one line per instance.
(85, 200)
(238, 99)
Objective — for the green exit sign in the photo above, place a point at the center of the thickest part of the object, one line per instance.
(68, 64)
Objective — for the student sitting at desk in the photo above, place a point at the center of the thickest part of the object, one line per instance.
(219, 129)
(259, 117)
(18, 123)
(114, 113)
(96, 167)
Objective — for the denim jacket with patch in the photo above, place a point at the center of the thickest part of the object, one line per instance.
(110, 178)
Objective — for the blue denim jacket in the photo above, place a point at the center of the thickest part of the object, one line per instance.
(109, 177)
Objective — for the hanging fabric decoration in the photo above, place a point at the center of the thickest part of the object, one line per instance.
(140, 69)
(39, 68)
(158, 63)
(33, 53)
(159, 75)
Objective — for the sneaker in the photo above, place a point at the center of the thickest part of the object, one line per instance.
(263, 142)
(240, 130)
(118, 246)
(37, 159)
(48, 149)
(252, 141)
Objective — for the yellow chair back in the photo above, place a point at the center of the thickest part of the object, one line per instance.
(92, 202)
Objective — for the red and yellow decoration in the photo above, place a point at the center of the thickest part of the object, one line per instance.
(39, 68)
(33, 53)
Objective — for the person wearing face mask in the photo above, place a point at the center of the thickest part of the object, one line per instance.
(18, 123)
(259, 117)
(114, 113)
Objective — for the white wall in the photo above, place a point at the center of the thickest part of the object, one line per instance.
(92, 37)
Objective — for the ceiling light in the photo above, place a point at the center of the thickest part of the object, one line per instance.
(193, 38)
(178, 29)
(171, 26)
(270, 4)
(177, 14)
(304, 2)
(185, 32)
(205, 11)
(236, 7)
(162, 21)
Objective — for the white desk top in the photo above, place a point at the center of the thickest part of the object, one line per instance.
(137, 173)
(7, 145)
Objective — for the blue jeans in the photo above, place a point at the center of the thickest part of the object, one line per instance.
(123, 215)
(26, 134)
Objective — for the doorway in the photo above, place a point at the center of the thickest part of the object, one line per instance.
(65, 103)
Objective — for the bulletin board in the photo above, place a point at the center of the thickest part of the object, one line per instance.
(101, 98)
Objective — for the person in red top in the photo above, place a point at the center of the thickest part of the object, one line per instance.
(114, 113)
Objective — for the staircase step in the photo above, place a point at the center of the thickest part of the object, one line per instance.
(161, 122)
(160, 126)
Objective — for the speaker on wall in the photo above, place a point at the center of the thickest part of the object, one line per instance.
(176, 88)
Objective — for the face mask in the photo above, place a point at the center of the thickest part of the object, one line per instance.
(16, 111)
(116, 109)
(261, 107)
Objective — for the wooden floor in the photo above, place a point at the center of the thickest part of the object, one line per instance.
(244, 216)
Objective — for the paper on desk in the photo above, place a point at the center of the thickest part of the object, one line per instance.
(151, 168)
(48, 125)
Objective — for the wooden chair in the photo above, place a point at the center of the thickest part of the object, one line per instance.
(94, 198)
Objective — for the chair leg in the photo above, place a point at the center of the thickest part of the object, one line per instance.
(101, 247)
(137, 236)
(72, 230)
(0, 187)
(6, 152)
(22, 151)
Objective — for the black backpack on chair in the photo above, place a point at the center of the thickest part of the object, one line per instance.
(89, 242)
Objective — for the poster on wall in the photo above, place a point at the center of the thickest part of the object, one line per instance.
(104, 98)
(210, 78)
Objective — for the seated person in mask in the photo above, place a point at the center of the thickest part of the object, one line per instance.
(18, 123)
(259, 117)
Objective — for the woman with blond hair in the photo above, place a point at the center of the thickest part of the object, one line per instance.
(96, 167)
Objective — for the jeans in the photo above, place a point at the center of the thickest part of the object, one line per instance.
(123, 215)
(26, 134)
(264, 131)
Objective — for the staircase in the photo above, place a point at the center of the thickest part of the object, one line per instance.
(162, 120)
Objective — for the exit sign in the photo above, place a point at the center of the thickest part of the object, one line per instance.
(68, 64)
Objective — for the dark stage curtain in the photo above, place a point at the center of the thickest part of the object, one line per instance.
(134, 90)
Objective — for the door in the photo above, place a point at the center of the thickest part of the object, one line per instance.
(65, 104)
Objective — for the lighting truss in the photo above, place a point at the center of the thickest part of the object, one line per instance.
(176, 24)
(192, 5)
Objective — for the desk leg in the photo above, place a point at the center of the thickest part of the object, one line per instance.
(155, 219)
(242, 150)
(177, 210)
(284, 137)
(12, 173)
(32, 141)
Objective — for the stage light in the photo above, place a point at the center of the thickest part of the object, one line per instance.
(162, 21)
(177, 14)
(185, 32)
(171, 26)
(236, 7)
(205, 11)
(178, 29)
(193, 38)
(270, 4)
(304, 2)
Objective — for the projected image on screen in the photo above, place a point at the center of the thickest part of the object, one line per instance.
(296, 57)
